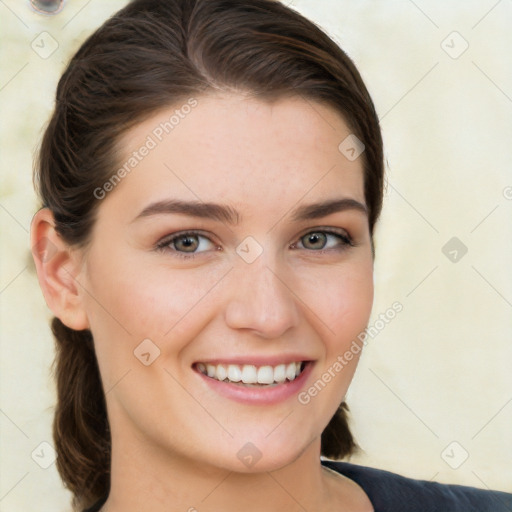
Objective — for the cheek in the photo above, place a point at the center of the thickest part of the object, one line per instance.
(130, 301)
(344, 307)
(342, 299)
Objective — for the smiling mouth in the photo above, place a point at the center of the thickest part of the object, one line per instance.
(251, 375)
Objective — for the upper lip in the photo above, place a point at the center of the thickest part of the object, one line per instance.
(257, 360)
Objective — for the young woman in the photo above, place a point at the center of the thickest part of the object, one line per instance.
(210, 182)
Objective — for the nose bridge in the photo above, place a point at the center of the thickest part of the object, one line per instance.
(260, 299)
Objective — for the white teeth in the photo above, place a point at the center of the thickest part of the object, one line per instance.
(250, 374)
(265, 375)
(280, 373)
(234, 373)
(291, 371)
(221, 372)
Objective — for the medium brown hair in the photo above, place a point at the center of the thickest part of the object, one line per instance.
(147, 57)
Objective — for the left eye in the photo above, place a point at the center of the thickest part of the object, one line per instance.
(313, 239)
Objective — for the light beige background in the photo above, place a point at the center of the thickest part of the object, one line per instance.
(434, 385)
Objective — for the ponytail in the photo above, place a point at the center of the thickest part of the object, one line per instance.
(337, 440)
(80, 427)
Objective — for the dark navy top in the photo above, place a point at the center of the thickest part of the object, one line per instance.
(389, 492)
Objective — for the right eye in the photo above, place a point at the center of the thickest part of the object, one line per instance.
(184, 244)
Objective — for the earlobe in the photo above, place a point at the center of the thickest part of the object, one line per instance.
(58, 269)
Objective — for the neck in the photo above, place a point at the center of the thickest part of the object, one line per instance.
(147, 479)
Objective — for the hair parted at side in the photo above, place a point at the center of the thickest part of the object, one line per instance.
(151, 55)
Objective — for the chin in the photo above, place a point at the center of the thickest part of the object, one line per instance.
(264, 455)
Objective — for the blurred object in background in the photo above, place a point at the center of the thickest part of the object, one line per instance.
(47, 6)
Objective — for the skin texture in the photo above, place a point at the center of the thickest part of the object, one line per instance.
(175, 439)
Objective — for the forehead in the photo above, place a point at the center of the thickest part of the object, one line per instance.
(246, 151)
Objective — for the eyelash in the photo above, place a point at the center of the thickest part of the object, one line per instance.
(163, 245)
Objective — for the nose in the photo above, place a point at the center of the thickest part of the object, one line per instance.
(261, 300)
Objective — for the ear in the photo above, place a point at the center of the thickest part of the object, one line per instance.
(58, 267)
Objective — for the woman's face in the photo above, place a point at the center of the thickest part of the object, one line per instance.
(264, 280)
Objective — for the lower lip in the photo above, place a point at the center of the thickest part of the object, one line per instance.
(264, 395)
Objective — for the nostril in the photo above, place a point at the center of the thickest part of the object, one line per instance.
(47, 6)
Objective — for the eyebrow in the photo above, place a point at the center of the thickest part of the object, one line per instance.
(225, 213)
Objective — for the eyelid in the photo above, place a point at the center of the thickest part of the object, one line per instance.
(164, 243)
(329, 230)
